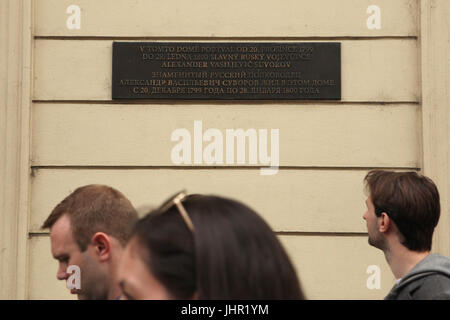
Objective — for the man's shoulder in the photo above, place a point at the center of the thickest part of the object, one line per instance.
(431, 287)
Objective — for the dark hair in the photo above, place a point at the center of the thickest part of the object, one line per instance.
(410, 200)
(96, 208)
(232, 254)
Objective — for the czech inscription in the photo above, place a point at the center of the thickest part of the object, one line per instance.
(222, 71)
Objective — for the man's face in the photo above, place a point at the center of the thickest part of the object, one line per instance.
(376, 238)
(66, 250)
(135, 279)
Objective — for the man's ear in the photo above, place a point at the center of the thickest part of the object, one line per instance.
(384, 223)
(102, 245)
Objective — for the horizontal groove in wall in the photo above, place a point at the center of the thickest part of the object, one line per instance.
(222, 102)
(96, 167)
(194, 38)
(321, 234)
(279, 233)
(38, 234)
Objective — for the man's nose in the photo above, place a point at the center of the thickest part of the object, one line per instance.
(62, 274)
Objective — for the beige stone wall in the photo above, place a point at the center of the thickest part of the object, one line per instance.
(15, 106)
(386, 119)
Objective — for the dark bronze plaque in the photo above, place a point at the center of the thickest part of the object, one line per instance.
(224, 71)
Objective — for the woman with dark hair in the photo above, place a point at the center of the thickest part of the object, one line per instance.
(206, 247)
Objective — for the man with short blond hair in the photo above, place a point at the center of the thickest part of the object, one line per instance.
(89, 229)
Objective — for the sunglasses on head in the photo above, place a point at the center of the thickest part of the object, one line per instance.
(176, 201)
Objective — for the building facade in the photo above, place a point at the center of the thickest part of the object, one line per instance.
(60, 127)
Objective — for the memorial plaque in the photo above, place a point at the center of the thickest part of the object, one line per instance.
(226, 71)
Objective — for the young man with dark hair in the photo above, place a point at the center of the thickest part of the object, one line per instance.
(89, 229)
(402, 211)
